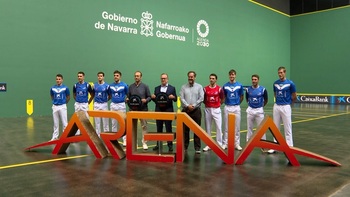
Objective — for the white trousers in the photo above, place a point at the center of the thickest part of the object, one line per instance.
(236, 109)
(117, 107)
(254, 115)
(144, 129)
(81, 107)
(59, 112)
(105, 124)
(210, 115)
(284, 113)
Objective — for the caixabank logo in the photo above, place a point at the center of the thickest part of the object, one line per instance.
(128, 125)
(313, 99)
(342, 99)
(323, 98)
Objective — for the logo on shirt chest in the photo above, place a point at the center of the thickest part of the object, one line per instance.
(232, 89)
(282, 86)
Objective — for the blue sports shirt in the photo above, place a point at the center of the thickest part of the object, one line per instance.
(256, 96)
(82, 91)
(233, 93)
(101, 92)
(283, 91)
(118, 91)
(59, 94)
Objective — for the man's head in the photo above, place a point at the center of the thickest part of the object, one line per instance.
(255, 80)
(282, 73)
(232, 75)
(191, 75)
(117, 76)
(138, 76)
(81, 76)
(212, 79)
(100, 77)
(164, 79)
(59, 79)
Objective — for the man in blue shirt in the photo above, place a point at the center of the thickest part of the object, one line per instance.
(60, 96)
(81, 92)
(256, 97)
(233, 91)
(100, 102)
(285, 95)
(118, 91)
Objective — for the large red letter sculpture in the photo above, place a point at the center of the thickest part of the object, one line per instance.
(281, 145)
(131, 136)
(80, 121)
(88, 134)
(183, 118)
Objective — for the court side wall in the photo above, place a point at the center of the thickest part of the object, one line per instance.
(44, 37)
(320, 52)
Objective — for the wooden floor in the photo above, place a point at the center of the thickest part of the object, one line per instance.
(322, 129)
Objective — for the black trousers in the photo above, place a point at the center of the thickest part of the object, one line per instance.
(168, 128)
(196, 115)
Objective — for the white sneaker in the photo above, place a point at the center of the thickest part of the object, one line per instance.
(224, 146)
(124, 142)
(144, 146)
(238, 147)
(271, 151)
(53, 139)
(206, 149)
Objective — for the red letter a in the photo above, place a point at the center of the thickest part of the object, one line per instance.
(281, 145)
(80, 121)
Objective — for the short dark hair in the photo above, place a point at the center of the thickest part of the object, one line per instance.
(213, 74)
(164, 74)
(81, 72)
(138, 72)
(231, 71)
(191, 71)
(117, 71)
(256, 75)
(59, 75)
(101, 73)
(282, 68)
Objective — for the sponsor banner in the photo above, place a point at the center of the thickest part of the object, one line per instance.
(148, 25)
(323, 99)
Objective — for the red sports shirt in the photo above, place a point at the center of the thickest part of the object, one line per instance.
(213, 96)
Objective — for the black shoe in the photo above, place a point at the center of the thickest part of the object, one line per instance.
(156, 148)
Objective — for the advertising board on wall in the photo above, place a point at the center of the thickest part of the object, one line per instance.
(335, 99)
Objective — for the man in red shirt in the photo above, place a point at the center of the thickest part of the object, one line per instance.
(213, 98)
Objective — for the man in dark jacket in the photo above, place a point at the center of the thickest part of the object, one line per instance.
(164, 96)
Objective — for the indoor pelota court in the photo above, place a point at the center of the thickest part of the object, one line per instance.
(45, 44)
(319, 128)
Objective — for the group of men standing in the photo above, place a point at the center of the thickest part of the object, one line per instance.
(192, 94)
